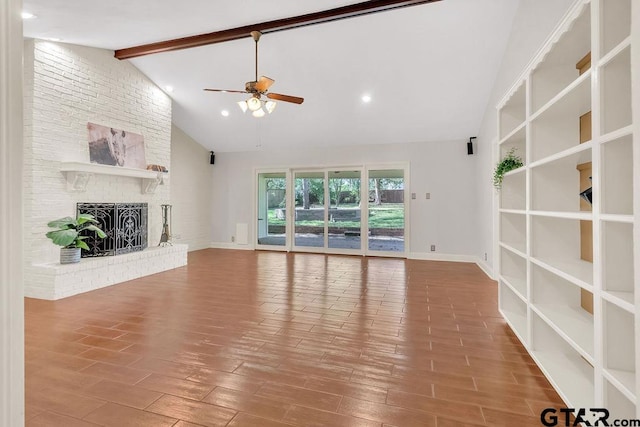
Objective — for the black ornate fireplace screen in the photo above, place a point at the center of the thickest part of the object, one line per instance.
(124, 223)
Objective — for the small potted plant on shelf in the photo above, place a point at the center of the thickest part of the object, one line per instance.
(67, 235)
(510, 162)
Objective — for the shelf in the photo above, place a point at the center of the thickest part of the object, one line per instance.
(615, 23)
(624, 381)
(513, 191)
(574, 323)
(513, 231)
(556, 244)
(79, 174)
(517, 141)
(582, 216)
(516, 285)
(513, 211)
(513, 268)
(512, 115)
(619, 344)
(617, 257)
(565, 368)
(616, 134)
(620, 405)
(558, 68)
(624, 300)
(616, 92)
(627, 219)
(574, 270)
(514, 311)
(617, 176)
(516, 136)
(557, 126)
(559, 302)
(513, 250)
(555, 185)
(569, 152)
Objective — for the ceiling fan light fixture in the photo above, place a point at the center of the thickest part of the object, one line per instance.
(243, 106)
(270, 106)
(258, 113)
(254, 103)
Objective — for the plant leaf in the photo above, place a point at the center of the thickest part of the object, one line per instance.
(63, 223)
(63, 237)
(82, 245)
(101, 234)
(84, 218)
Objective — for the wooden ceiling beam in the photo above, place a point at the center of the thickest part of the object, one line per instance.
(349, 11)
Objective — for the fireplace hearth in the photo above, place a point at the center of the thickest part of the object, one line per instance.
(125, 225)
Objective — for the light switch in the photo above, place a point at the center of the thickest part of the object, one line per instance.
(428, 196)
(413, 196)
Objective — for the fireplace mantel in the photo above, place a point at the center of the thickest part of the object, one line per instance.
(78, 175)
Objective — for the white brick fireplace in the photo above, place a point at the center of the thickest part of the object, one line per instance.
(67, 86)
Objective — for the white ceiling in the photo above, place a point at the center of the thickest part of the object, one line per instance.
(429, 69)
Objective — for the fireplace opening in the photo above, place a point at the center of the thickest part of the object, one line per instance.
(125, 225)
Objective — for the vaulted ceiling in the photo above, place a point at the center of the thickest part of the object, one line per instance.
(429, 69)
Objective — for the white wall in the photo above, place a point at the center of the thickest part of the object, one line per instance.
(11, 280)
(447, 220)
(67, 86)
(191, 175)
(533, 23)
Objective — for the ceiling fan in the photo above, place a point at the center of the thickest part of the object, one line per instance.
(259, 87)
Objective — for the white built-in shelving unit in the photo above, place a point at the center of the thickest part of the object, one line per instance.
(566, 266)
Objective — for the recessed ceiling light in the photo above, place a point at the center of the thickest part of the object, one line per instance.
(168, 88)
(224, 113)
(366, 98)
(27, 15)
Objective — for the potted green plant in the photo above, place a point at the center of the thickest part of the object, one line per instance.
(510, 162)
(67, 235)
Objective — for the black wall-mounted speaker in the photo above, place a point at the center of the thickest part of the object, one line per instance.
(212, 159)
(470, 145)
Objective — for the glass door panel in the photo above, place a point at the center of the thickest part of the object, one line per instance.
(344, 226)
(272, 198)
(309, 211)
(386, 210)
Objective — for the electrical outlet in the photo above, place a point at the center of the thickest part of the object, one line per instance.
(233, 239)
(428, 196)
(485, 256)
(433, 248)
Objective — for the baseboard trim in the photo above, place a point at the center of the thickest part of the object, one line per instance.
(224, 245)
(426, 256)
(486, 268)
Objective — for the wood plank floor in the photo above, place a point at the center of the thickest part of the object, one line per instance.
(241, 338)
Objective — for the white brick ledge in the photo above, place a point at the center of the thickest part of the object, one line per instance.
(54, 281)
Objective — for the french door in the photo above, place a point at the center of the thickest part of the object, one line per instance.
(327, 211)
(350, 210)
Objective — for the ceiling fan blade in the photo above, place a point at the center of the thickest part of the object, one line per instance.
(226, 90)
(264, 83)
(285, 98)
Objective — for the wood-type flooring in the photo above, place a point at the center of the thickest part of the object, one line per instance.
(243, 338)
